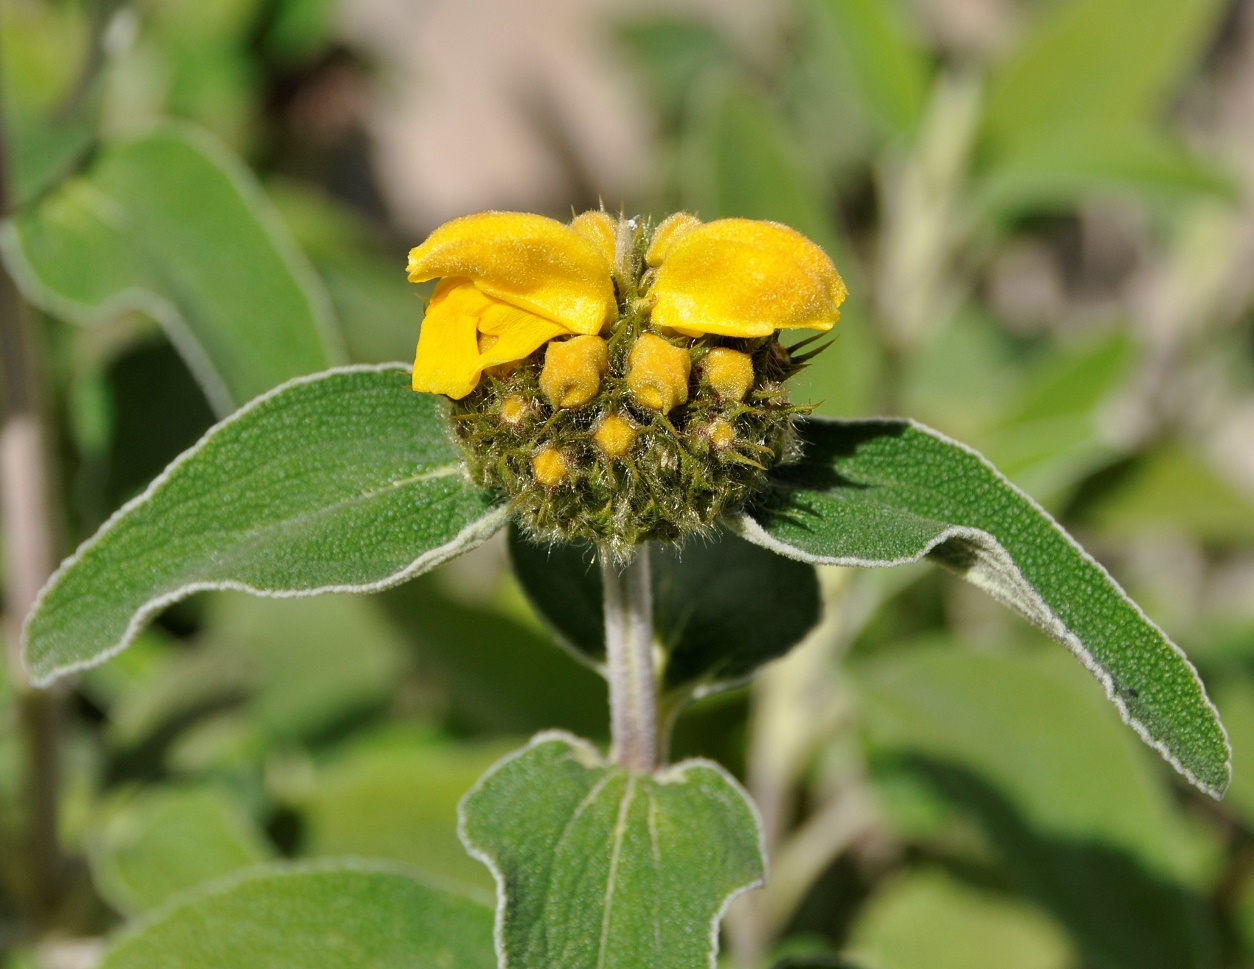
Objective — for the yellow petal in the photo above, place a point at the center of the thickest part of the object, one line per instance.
(599, 228)
(744, 278)
(529, 261)
(669, 231)
(447, 360)
(517, 334)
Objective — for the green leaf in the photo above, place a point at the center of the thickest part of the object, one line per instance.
(394, 795)
(884, 61)
(171, 225)
(1103, 62)
(887, 492)
(598, 867)
(166, 840)
(671, 56)
(356, 915)
(494, 666)
(293, 653)
(1170, 488)
(1022, 745)
(340, 482)
(722, 608)
(929, 918)
(739, 160)
(1050, 436)
(377, 306)
(1055, 168)
(1235, 696)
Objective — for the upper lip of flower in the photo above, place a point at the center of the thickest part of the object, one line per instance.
(512, 281)
(516, 278)
(740, 278)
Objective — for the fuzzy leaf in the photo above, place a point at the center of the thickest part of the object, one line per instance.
(171, 225)
(888, 492)
(340, 482)
(598, 867)
(167, 839)
(358, 915)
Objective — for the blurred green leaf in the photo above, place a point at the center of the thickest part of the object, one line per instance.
(44, 151)
(1054, 169)
(884, 60)
(349, 915)
(345, 481)
(1099, 62)
(394, 795)
(1049, 435)
(1170, 488)
(597, 866)
(171, 225)
(1243, 912)
(1234, 695)
(162, 841)
(888, 492)
(722, 607)
(928, 919)
(671, 57)
(490, 670)
(301, 28)
(141, 439)
(1072, 807)
(378, 307)
(562, 583)
(739, 160)
(313, 664)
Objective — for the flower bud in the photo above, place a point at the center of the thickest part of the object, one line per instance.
(720, 433)
(657, 373)
(549, 467)
(729, 372)
(614, 436)
(513, 409)
(573, 370)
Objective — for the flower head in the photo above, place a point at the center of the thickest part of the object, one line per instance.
(645, 394)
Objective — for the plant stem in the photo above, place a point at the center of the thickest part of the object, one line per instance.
(29, 556)
(629, 659)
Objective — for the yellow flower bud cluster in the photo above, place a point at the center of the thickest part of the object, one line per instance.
(619, 382)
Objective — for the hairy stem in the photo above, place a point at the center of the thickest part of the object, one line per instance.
(28, 522)
(629, 659)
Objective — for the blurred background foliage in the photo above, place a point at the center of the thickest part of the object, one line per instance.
(1044, 210)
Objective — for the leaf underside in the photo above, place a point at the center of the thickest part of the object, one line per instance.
(722, 607)
(598, 867)
(341, 482)
(887, 492)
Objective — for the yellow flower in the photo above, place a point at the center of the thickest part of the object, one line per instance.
(509, 282)
(740, 278)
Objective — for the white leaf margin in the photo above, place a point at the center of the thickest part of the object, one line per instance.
(470, 537)
(995, 573)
